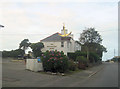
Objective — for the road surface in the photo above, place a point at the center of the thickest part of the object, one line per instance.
(15, 75)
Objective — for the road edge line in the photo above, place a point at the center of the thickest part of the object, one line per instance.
(95, 72)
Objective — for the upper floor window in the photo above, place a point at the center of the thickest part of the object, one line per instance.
(62, 44)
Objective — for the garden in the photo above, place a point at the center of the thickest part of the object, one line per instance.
(58, 62)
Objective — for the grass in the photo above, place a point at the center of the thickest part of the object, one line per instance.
(73, 72)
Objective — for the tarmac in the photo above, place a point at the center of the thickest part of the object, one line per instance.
(15, 75)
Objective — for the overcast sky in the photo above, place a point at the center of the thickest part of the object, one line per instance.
(35, 20)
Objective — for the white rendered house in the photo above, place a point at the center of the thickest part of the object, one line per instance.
(61, 43)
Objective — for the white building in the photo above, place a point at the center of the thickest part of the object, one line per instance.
(56, 42)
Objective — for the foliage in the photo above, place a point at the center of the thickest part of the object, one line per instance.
(90, 36)
(93, 57)
(36, 48)
(94, 47)
(71, 65)
(80, 53)
(82, 62)
(54, 61)
(73, 56)
(82, 59)
(13, 53)
(24, 44)
(115, 59)
(91, 42)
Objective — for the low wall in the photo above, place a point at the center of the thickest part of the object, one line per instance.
(33, 65)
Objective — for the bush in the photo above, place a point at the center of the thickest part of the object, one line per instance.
(82, 62)
(79, 53)
(13, 53)
(73, 56)
(54, 61)
(71, 65)
(93, 57)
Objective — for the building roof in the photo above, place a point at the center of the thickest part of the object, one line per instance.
(78, 42)
(54, 37)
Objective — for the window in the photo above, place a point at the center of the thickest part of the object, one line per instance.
(62, 44)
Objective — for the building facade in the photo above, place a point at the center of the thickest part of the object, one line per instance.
(61, 43)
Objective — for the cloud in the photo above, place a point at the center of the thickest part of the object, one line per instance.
(59, 0)
(15, 19)
(23, 19)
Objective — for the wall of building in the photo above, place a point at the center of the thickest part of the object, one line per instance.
(54, 46)
(77, 46)
(69, 46)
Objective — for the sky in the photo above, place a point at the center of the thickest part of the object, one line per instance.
(35, 20)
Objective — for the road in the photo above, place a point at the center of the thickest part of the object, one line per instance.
(107, 77)
(15, 75)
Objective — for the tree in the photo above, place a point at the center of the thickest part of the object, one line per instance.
(94, 47)
(24, 44)
(93, 57)
(36, 48)
(91, 42)
(13, 53)
(90, 36)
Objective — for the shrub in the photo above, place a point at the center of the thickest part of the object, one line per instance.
(13, 53)
(54, 61)
(79, 53)
(71, 65)
(71, 56)
(82, 62)
(93, 57)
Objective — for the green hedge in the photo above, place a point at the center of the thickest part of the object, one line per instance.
(73, 56)
(82, 62)
(93, 57)
(13, 53)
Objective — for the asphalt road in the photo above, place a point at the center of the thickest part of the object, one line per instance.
(106, 77)
(15, 75)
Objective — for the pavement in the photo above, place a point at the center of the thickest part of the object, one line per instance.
(15, 75)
